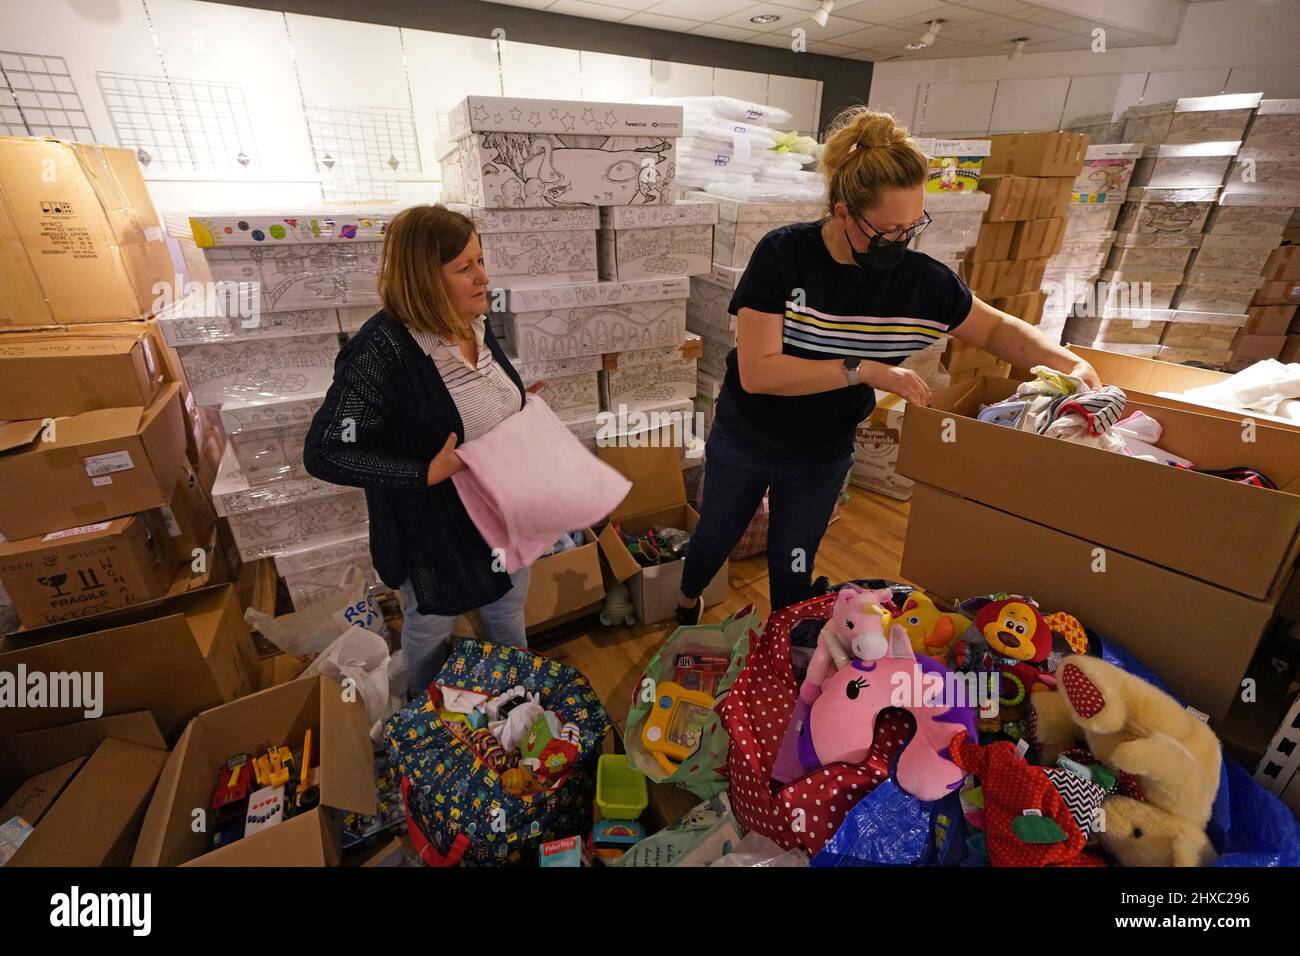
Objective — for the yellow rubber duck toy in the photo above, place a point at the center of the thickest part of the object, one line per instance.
(932, 632)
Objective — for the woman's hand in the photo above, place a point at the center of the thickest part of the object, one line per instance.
(446, 463)
(903, 382)
(1085, 371)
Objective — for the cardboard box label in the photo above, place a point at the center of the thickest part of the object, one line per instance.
(101, 482)
(108, 463)
(72, 532)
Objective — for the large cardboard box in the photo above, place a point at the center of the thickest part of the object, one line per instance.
(516, 152)
(86, 789)
(657, 500)
(1198, 637)
(84, 571)
(1010, 197)
(85, 468)
(875, 450)
(1027, 306)
(172, 658)
(996, 280)
(189, 518)
(1283, 292)
(945, 446)
(67, 375)
(1037, 238)
(1283, 263)
(1037, 154)
(79, 239)
(1268, 319)
(280, 715)
(994, 242)
(1249, 349)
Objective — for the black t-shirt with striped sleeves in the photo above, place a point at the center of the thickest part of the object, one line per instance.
(881, 315)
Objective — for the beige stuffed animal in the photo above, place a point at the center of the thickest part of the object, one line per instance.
(1130, 725)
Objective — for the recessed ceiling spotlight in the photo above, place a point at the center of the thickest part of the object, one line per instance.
(930, 35)
(823, 13)
(1018, 48)
(764, 18)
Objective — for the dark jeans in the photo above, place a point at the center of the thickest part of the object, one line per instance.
(801, 497)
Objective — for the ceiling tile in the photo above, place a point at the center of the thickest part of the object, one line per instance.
(707, 10)
(1000, 7)
(720, 32)
(630, 5)
(830, 49)
(679, 24)
(943, 50)
(535, 4)
(876, 38)
(741, 18)
(884, 11)
(971, 29)
(592, 11)
(771, 39)
(1061, 45)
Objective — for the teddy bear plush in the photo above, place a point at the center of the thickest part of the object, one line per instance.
(1132, 727)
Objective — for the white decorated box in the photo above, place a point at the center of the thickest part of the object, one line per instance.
(1266, 169)
(573, 396)
(1218, 291)
(638, 242)
(1100, 127)
(262, 368)
(1151, 210)
(523, 247)
(651, 376)
(1200, 336)
(1157, 258)
(1107, 170)
(1234, 253)
(1250, 214)
(300, 276)
(265, 520)
(568, 321)
(1187, 166)
(1276, 125)
(1150, 288)
(271, 454)
(516, 152)
(1106, 330)
(1193, 119)
(1086, 218)
(214, 230)
(714, 346)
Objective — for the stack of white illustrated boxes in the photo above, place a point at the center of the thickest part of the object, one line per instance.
(263, 364)
(1260, 197)
(1095, 203)
(1200, 275)
(587, 252)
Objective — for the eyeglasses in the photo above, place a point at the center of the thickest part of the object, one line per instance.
(905, 234)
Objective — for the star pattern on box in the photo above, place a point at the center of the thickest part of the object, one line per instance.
(534, 119)
(496, 118)
(516, 113)
(554, 113)
(480, 113)
(567, 119)
(588, 116)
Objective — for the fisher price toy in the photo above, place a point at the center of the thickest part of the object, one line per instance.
(675, 725)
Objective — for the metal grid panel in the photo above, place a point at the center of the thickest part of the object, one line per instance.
(39, 98)
(362, 149)
(194, 124)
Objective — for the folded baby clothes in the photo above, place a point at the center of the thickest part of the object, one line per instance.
(1140, 432)
(529, 480)
(1270, 386)
(1007, 413)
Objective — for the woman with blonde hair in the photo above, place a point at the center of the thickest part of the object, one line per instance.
(424, 374)
(825, 312)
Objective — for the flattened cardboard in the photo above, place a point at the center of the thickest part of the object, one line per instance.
(1107, 497)
(281, 714)
(1197, 637)
(95, 818)
(103, 464)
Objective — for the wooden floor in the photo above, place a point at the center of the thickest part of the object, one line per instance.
(866, 541)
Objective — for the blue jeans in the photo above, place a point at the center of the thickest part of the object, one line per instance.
(801, 497)
(424, 636)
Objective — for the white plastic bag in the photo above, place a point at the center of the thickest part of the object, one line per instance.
(757, 850)
(309, 630)
(359, 660)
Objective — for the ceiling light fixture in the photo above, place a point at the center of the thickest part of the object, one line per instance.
(930, 35)
(1018, 48)
(823, 13)
(764, 18)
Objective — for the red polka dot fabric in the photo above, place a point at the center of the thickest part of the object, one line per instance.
(1084, 696)
(756, 713)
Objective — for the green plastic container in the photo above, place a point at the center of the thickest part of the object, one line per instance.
(621, 792)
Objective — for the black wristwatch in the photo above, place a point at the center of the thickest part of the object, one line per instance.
(851, 370)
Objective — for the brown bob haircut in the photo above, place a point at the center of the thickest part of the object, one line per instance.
(417, 243)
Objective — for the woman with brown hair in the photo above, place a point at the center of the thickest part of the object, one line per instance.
(825, 312)
(421, 376)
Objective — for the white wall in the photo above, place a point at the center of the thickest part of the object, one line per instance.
(270, 96)
(1225, 46)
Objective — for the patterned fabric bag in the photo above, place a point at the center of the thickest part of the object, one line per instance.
(454, 796)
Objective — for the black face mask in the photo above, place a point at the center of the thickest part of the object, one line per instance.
(878, 254)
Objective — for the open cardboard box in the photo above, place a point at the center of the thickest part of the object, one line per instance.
(83, 787)
(1156, 383)
(100, 464)
(1198, 638)
(281, 715)
(173, 658)
(1227, 534)
(657, 500)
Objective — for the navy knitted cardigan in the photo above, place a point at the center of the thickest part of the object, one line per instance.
(385, 417)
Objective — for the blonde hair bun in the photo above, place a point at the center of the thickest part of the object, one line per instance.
(867, 152)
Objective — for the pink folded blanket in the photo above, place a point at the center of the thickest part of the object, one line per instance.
(529, 480)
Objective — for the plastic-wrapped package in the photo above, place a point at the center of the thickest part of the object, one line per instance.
(758, 850)
(728, 107)
(768, 191)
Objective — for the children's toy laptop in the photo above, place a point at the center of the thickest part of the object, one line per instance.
(675, 724)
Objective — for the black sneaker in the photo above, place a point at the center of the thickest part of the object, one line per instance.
(690, 616)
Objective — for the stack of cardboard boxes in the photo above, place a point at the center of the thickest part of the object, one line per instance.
(591, 279)
(1264, 183)
(1029, 178)
(258, 346)
(1095, 200)
(1178, 280)
(105, 463)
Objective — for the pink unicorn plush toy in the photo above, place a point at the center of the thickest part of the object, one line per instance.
(856, 629)
(842, 718)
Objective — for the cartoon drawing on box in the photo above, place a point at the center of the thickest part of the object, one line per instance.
(264, 380)
(1107, 178)
(590, 330)
(1171, 217)
(948, 173)
(552, 169)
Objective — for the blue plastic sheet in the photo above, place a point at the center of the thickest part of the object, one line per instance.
(887, 827)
